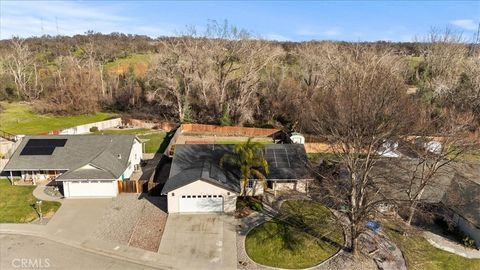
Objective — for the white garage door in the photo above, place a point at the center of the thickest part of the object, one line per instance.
(201, 203)
(92, 189)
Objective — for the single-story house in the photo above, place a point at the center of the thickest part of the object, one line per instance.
(197, 183)
(455, 190)
(84, 165)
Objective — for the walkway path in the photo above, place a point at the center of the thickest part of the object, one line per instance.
(39, 193)
(449, 246)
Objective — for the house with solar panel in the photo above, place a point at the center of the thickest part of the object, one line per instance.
(81, 165)
(198, 184)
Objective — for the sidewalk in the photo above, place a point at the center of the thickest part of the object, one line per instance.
(449, 246)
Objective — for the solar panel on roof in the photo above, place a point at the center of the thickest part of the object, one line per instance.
(46, 143)
(40, 151)
(41, 147)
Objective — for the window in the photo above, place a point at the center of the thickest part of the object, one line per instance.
(173, 194)
(183, 196)
(250, 183)
(189, 196)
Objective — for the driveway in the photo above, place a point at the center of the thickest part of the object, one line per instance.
(29, 252)
(200, 241)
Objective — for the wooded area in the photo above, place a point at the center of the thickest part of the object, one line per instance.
(226, 76)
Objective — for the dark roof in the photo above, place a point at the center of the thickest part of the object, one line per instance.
(97, 152)
(456, 185)
(192, 162)
(463, 194)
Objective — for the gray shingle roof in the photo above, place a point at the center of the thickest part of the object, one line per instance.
(99, 151)
(192, 162)
(457, 185)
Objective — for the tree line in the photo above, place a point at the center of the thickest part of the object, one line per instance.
(224, 75)
(359, 97)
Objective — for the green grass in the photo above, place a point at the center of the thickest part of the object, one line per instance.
(302, 236)
(17, 118)
(139, 63)
(153, 138)
(17, 204)
(421, 255)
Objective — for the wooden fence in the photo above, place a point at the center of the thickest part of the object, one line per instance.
(128, 186)
(228, 130)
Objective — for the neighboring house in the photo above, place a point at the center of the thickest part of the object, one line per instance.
(198, 184)
(455, 190)
(463, 199)
(84, 165)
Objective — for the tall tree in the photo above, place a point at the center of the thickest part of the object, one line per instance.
(359, 108)
(442, 139)
(21, 65)
(250, 160)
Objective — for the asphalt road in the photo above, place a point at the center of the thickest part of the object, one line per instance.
(29, 252)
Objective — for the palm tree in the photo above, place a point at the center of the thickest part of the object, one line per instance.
(249, 158)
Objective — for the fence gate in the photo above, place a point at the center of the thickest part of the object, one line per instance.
(128, 186)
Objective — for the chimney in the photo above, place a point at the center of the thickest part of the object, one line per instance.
(119, 156)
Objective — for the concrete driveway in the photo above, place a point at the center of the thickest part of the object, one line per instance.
(200, 241)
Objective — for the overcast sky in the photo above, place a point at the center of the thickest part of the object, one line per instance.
(279, 20)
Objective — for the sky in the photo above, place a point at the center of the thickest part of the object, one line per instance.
(275, 20)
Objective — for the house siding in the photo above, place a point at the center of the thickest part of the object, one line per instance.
(468, 228)
(200, 187)
(135, 157)
(300, 186)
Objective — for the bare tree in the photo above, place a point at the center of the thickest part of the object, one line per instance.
(236, 61)
(445, 53)
(361, 106)
(173, 72)
(20, 64)
(76, 88)
(442, 139)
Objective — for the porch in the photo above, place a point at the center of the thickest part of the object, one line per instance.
(34, 177)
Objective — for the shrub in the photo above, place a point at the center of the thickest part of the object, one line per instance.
(469, 242)
(94, 129)
(256, 206)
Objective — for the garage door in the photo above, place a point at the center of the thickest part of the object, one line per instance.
(92, 189)
(201, 203)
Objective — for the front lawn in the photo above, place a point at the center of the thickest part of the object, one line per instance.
(153, 138)
(17, 118)
(303, 235)
(421, 255)
(17, 204)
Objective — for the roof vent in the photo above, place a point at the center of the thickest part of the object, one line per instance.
(119, 156)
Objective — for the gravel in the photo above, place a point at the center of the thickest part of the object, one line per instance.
(123, 214)
(150, 226)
